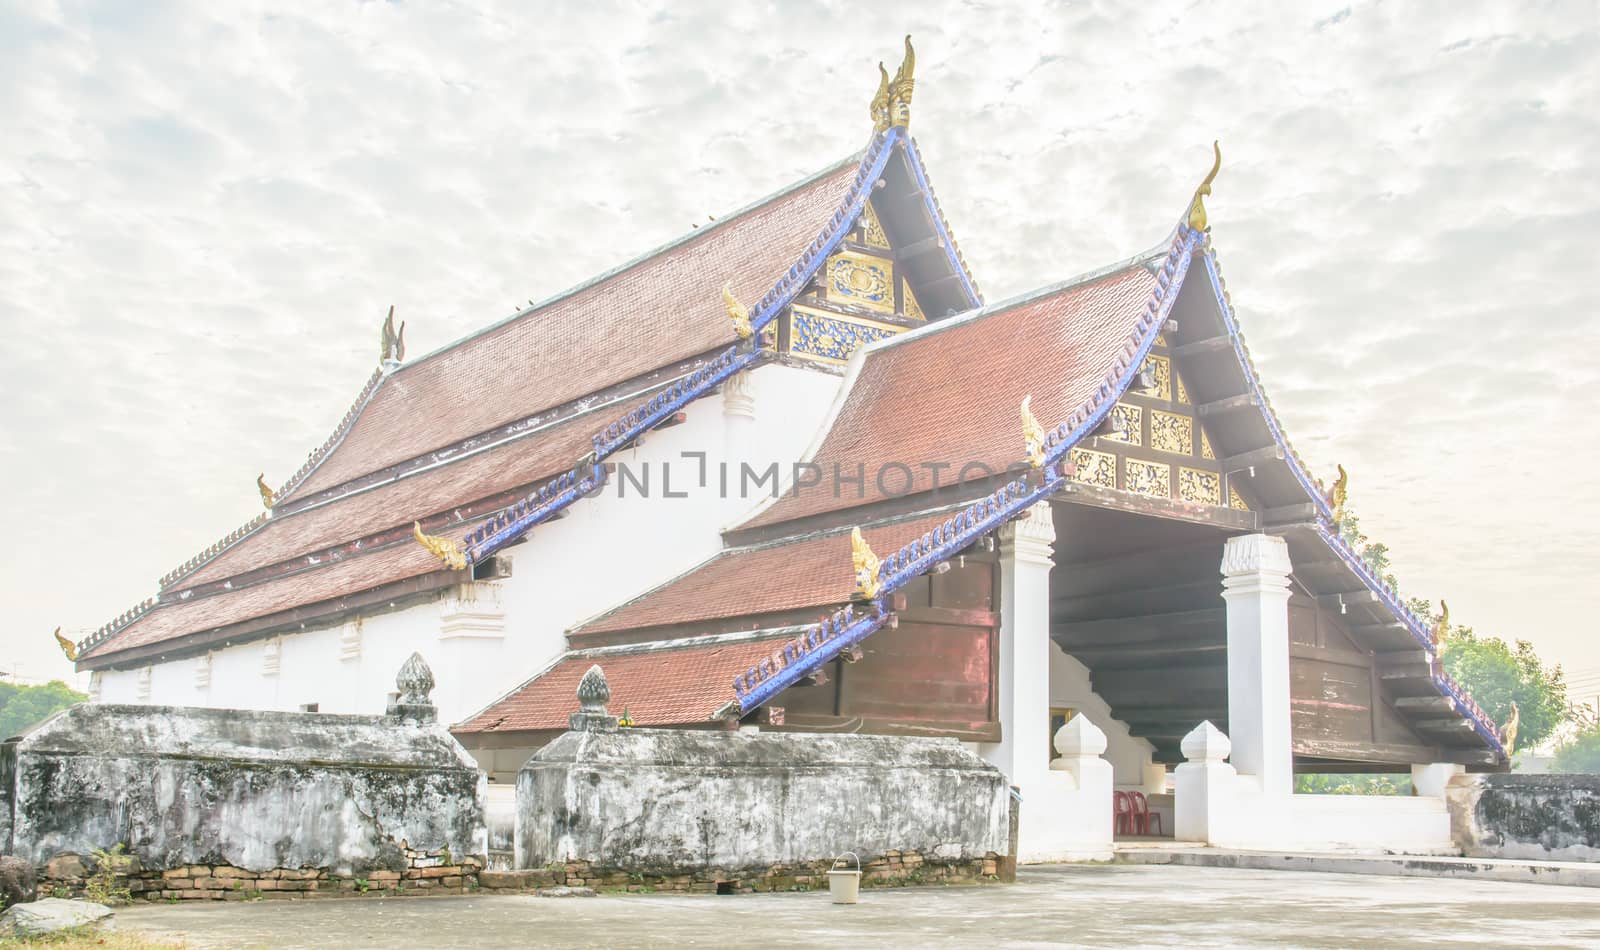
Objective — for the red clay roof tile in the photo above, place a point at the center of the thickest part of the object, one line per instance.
(662, 687)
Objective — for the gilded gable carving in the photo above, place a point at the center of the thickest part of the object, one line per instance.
(1198, 486)
(861, 280)
(1206, 452)
(831, 338)
(1171, 432)
(872, 231)
(1148, 478)
(1235, 501)
(1130, 419)
(1183, 391)
(1095, 468)
(1161, 368)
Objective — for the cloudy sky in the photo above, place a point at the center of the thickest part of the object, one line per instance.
(206, 208)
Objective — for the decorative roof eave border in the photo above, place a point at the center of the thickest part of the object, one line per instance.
(588, 475)
(115, 625)
(958, 264)
(1482, 724)
(315, 459)
(1460, 700)
(845, 628)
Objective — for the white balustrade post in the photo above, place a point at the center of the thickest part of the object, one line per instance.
(1205, 788)
(1255, 585)
(739, 414)
(1081, 745)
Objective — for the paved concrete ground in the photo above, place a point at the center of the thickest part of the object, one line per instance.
(1109, 906)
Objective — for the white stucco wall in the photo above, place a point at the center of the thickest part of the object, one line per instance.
(1069, 686)
(607, 550)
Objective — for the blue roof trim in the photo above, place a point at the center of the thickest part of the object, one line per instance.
(936, 215)
(824, 641)
(1482, 724)
(588, 475)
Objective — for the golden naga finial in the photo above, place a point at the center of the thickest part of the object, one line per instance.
(394, 344)
(1336, 494)
(866, 566)
(880, 102)
(1442, 627)
(900, 88)
(444, 549)
(1197, 208)
(1509, 730)
(67, 646)
(1032, 435)
(738, 313)
(268, 496)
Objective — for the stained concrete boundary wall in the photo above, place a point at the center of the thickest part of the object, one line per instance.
(255, 790)
(669, 801)
(1548, 816)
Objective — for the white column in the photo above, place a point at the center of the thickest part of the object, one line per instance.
(1023, 751)
(1431, 779)
(1255, 585)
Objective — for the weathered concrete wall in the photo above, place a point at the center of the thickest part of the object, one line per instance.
(657, 801)
(1551, 816)
(253, 790)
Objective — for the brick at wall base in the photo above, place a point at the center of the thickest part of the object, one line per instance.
(425, 873)
(891, 869)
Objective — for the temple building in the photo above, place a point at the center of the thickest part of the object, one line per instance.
(793, 471)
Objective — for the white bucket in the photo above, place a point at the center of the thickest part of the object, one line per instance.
(844, 884)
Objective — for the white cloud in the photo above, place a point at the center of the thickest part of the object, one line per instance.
(208, 208)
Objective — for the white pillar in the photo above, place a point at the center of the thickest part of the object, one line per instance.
(1205, 788)
(1431, 779)
(1023, 752)
(1255, 585)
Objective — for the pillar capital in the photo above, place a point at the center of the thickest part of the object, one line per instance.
(1030, 537)
(737, 400)
(1255, 554)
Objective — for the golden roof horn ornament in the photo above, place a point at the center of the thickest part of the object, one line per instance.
(900, 88)
(1509, 730)
(394, 344)
(1442, 626)
(1032, 435)
(1197, 207)
(880, 102)
(268, 496)
(738, 313)
(68, 648)
(444, 549)
(1336, 494)
(866, 566)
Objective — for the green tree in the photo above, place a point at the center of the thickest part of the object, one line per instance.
(25, 706)
(1581, 750)
(1496, 674)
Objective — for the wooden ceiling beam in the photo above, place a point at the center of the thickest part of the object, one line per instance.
(1214, 344)
(1262, 456)
(1226, 405)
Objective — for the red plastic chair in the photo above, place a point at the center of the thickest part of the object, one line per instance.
(1142, 816)
(1122, 809)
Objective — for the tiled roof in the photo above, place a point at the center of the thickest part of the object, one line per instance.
(654, 312)
(919, 399)
(813, 571)
(659, 310)
(657, 686)
(496, 470)
(168, 621)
